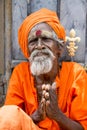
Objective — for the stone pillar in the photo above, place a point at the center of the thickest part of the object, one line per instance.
(19, 13)
(73, 15)
(1, 37)
(8, 37)
(37, 4)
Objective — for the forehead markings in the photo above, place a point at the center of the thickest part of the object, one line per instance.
(40, 33)
(44, 33)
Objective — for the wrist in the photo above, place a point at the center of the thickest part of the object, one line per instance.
(36, 117)
(58, 115)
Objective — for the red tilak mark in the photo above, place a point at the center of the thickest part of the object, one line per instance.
(38, 32)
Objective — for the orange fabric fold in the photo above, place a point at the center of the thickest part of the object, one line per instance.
(15, 119)
(72, 93)
(42, 15)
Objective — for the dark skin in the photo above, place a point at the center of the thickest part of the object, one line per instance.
(46, 105)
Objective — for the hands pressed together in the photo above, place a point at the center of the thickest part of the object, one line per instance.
(48, 106)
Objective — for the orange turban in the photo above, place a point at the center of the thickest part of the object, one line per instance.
(42, 15)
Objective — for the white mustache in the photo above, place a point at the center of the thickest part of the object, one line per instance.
(45, 51)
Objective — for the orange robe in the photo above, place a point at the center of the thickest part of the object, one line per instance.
(72, 93)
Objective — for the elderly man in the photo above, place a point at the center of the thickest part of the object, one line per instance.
(42, 93)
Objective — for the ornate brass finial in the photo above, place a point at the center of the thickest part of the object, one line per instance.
(72, 45)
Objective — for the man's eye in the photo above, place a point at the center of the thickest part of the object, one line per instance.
(45, 39)
(33, 41)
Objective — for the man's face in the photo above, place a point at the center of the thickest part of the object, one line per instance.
(43, 49)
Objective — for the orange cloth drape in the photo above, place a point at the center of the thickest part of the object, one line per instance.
(72, 93)
(15, 119)
(42, 15)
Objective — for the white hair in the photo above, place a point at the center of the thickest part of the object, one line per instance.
(41, 64)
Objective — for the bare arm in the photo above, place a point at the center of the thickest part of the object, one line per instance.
(66, 123)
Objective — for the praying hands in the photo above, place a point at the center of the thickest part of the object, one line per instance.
(48, 106)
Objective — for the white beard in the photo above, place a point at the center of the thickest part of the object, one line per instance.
(41, 64)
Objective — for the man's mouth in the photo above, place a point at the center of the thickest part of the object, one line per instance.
(41, 54)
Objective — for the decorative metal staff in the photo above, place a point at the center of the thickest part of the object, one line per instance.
(72, 45)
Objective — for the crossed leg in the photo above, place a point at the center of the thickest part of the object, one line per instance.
(14, 118)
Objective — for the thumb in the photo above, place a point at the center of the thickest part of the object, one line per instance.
(54, 86)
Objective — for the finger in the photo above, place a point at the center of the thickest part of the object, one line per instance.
(54, 86)
(52, 89)
(47, 87)
(44, 115)
(43, 87)
(46, 95)
(43, 102)
(43, 93)
(53, 92)
(47, 103)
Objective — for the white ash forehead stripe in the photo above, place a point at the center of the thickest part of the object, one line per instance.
(47, 34)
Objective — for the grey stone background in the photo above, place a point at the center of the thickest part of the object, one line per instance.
(72, 15)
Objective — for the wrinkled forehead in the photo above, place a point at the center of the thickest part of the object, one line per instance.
(40, 30)
(41, 26)
(43, 30)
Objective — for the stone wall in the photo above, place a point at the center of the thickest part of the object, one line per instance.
(73, 15)
(2, 71)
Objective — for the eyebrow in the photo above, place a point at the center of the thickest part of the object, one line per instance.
(44, 33)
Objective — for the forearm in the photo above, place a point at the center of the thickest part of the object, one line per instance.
(66, 123)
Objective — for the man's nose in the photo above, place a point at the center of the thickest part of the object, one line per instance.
(40, 44)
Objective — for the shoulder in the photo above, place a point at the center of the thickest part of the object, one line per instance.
(73, 65)
(73, 68)
(22, 65)
(22, 68)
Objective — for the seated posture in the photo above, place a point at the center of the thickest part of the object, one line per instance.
(44, 93)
